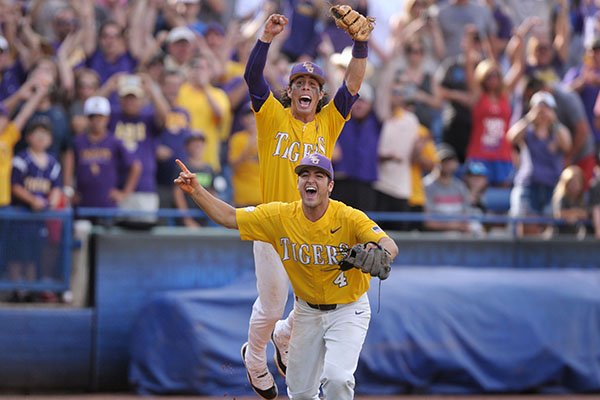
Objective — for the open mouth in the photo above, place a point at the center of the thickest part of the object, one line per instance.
(305, 101)
(311, 191)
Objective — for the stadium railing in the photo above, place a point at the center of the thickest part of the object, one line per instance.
(42, 242)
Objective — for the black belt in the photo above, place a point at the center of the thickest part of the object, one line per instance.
(322, 307)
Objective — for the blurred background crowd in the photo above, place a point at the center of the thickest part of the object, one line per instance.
(462, 98)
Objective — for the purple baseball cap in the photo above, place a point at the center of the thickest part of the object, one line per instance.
(315, 160)
(308, 68)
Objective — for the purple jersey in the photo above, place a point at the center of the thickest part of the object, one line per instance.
(177, 130)
(98, 165)
(139, 135)
(124, 63)
(37, 180)
(11, 79)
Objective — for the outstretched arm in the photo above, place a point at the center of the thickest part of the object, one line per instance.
(217, 210)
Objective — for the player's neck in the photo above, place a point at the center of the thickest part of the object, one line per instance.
(313, 214)
(304, 118)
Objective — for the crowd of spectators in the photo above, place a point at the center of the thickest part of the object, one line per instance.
(460, 96)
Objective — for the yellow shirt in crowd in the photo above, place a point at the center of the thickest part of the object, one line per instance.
(245, 179)
(8, 140)
(202, 118)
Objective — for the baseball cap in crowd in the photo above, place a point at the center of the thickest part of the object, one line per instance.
(40, 121)
(215, 27)
(195, 135)
(445, 152)
(542, 97)
(180, 33)
(131, 84)
(308, 68)
(3, 43)
(476, 168)
(315, 160)
(96, 105)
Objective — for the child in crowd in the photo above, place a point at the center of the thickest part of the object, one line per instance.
(36, 185)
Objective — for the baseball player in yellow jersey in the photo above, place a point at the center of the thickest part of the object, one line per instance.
(332, 311)
(287, 132)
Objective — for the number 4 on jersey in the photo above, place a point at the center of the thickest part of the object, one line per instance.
(341, 280)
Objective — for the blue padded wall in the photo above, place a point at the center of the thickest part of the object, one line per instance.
(45, 348)
(131, 267)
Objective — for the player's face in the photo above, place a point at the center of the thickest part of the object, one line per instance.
(314, 186)
(305, 93)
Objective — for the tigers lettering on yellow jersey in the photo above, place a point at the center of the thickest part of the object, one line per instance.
(284, 140)
(310, 251)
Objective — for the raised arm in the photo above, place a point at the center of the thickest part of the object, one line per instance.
(257, 85)
(216, 209)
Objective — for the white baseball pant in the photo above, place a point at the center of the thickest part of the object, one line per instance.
(272, 284)
(324, 350)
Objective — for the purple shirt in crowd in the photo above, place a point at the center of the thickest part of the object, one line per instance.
(541, 161)
(139, 134)
(173, 136)
(124, 63)
(98, 165)
(358, 142)
(38, 181)
(228, 87)
(588, 94)
(303, 37)
(11, 79)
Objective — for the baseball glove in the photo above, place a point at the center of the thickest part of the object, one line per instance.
(358, 26)
(374, 261)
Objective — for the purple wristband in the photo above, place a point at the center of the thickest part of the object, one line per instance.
(360, 49)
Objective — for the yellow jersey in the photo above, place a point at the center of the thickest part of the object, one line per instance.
(8, 139)
(284, 140)
(310, 251)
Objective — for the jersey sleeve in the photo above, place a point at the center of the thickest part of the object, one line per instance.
(344, 100)
(366, 229)
(257, 85)
(259, 223)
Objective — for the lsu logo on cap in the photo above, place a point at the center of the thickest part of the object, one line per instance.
(314, 159)
(308, 66)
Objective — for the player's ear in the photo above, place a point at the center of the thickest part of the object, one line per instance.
(330, 186)
(289, 91)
